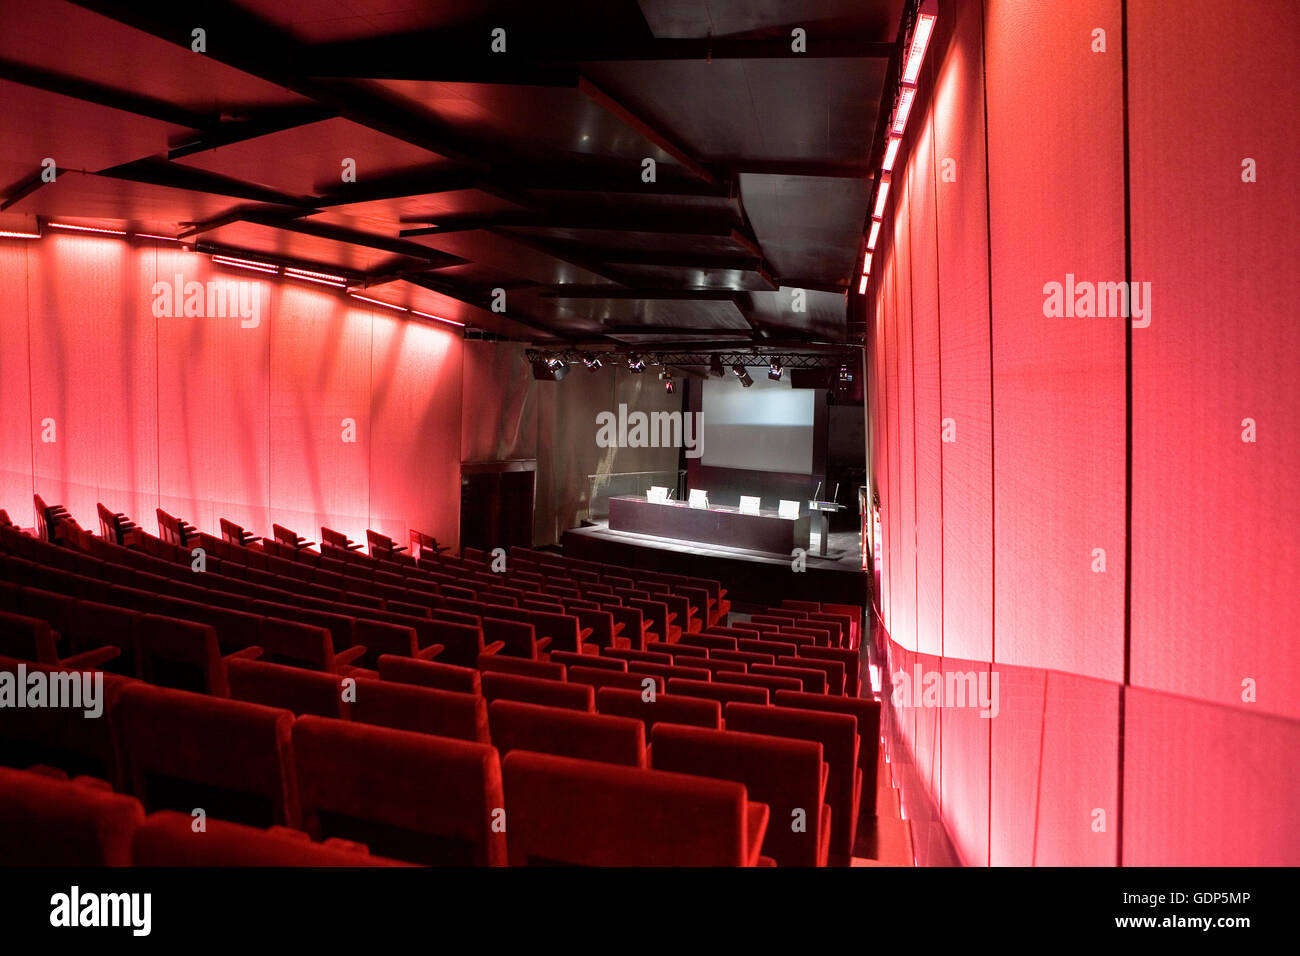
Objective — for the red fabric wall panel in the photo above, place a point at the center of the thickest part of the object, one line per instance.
(415, 414)
(889, 338)
(93, 372)
(1208, 785)
(16, 422)
(925, 353)
(212, 430)
(963, 793)
(905, 629)
(1216, 521)
(957, 118)
(1056, 201)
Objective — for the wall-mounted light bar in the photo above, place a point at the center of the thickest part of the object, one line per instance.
(149, 235)
(891, 153)
(903, 109)
(437, 318)
(386, 305)
(14, 234)
(862, 285)
(96, 229)
(882, 194)
(916, 51)
(866, 264)
(321, 278)
(231, 261)
(875, 234)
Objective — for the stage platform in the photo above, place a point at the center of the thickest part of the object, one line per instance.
(754, 578)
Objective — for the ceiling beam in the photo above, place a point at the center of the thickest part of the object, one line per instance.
(629, 118)
(658, 295)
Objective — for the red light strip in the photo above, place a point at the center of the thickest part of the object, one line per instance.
(916, 53)
(6, 234)
(881, 196)
(437, 318)
(386, 305)
(246, 264)
(862, 286)
(67, 225)
(905, 97)
(891, 153)
(875, 234)
(323, 278)
(149, 235)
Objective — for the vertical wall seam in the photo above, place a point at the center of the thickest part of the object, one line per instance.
(1128, 445)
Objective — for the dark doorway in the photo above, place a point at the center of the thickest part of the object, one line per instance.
(496, 503)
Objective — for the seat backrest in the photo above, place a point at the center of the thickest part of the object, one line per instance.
(599, 677)
(48, 822)
(533, 690)
(866, 710)
(812, 679)
(785, 774)
(547, 670)
(586, 813)
(838, 735)
(407, 796)
(568, 733)
(27, 638)
(168, 838)
(669, 708)
(293, 688)
(181, 654)
(421, 710)
(769, 681)
(435, 674)
(230, 757)
(721, 692)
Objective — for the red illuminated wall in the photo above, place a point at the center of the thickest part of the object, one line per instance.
(1096, 534)
(207, 419)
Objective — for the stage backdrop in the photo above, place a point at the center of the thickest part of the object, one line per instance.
(320, 411)
(1121, 557)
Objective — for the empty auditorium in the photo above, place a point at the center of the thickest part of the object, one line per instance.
(649, 434)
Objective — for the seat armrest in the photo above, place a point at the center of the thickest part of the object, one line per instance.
(93, 658)
(343, 658)
(543, 643)
(430, 652)
(244, 654)
(493, 648)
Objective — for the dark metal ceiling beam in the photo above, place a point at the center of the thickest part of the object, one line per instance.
(658, 295)
(630, 118)
(105, 96)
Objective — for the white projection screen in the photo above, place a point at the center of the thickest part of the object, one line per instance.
(767, 427)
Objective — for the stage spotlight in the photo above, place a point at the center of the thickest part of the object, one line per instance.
(592, 362)
(555, 363)
(666, 376)
(774, 371)
(635, 363)
(741, 374)
(715, 366)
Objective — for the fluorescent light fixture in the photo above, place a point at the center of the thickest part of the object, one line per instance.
(68, 225)
(862, 285)
(875, 234)
(246, 264)
(323, 278)
(386, 305)
(891, 153)
(882, 194)
(149, 235)
(437, 318)
(916, 52)
(905, 97)
(866, 264)
(12, 234)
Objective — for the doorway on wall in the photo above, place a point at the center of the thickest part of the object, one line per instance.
(496, 503)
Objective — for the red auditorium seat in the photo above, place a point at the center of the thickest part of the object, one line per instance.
(532, 690)
(48, 822)
(788, 775)
(435, 674)
(421, 710)
(63, 737)
(293, 688)
(812, 679)
(722, 692)
(581, 812)
(604, 661)
(771, 682)
(851, 660)
(598, 678)
(182, 654)
(167, 838)
(185, 750)
(865, 710)
(833, 670)
(407, 796)
(546, 670)
(838, 735)
(30, 639)
(567, 733)
(667, 708)
(671, 670)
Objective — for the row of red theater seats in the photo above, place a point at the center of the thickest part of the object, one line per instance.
(462, 713)
(368, 783)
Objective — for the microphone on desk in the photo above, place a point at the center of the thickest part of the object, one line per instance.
(836, 496)
(818, 489)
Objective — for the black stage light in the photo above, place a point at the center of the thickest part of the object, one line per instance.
(666, 376)
(635, 363)
(774, 371)
(715, 366)
(741, 374)
(592, 362)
